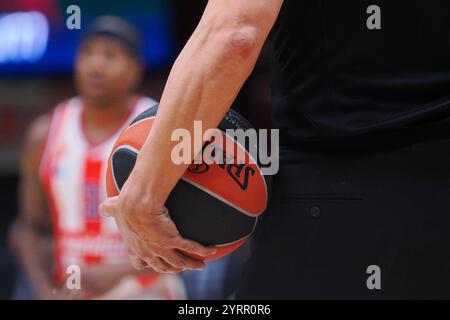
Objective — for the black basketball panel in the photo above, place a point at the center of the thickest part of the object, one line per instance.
(150, 112)
(123, 161)
(234, 120)
(202, 217)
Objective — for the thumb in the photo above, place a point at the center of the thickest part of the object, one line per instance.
(109, 207)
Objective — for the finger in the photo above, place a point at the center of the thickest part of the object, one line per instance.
(190, 246)
(137, 262)
(167, 268)
(181, 261)
(160, 265)
(157, 265)
(108, 208)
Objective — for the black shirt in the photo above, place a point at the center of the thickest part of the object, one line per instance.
(334, 77)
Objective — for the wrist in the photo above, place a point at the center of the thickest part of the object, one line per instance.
(145, 190)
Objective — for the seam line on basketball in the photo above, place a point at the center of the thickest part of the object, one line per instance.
(122, 146)
(257, 166)
(243, 238)
(215, 195)
(142, 120)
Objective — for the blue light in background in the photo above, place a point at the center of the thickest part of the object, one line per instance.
(30, 44)
(23, 37)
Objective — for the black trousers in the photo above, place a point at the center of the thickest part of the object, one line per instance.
(334, 214)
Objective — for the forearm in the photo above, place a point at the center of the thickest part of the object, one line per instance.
(34, 252)
(115, 272)
(202, 85)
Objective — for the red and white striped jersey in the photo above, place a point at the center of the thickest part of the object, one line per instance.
(73, 171)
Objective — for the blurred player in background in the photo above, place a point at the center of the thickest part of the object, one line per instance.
(62, 183)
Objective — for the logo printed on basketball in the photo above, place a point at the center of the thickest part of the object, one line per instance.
(247, 142)
(233, 170)
(198, 168)
(236, 175)
(232, 165)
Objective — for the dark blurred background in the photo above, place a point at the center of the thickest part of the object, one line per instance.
(36, 57)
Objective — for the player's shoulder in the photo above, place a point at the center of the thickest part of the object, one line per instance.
(70, 103)
(39, 127)
(38, 130)
(34, 141)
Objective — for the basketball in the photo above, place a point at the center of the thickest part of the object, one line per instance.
(215, 204)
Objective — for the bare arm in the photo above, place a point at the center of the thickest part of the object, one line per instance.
(32, 240)
(204, 82)
(100, 279)
(202, 85)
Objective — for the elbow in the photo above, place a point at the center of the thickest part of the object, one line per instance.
(243, 42)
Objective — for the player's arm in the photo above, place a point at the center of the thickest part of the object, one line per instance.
(32, 230)
(202, 85)
(204, 82)
(99, 280)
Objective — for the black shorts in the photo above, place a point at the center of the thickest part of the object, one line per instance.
(335, 214)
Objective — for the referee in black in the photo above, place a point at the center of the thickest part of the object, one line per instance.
(361, 95)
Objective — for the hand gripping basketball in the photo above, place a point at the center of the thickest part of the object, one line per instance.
(213, 205)
(152, 237)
